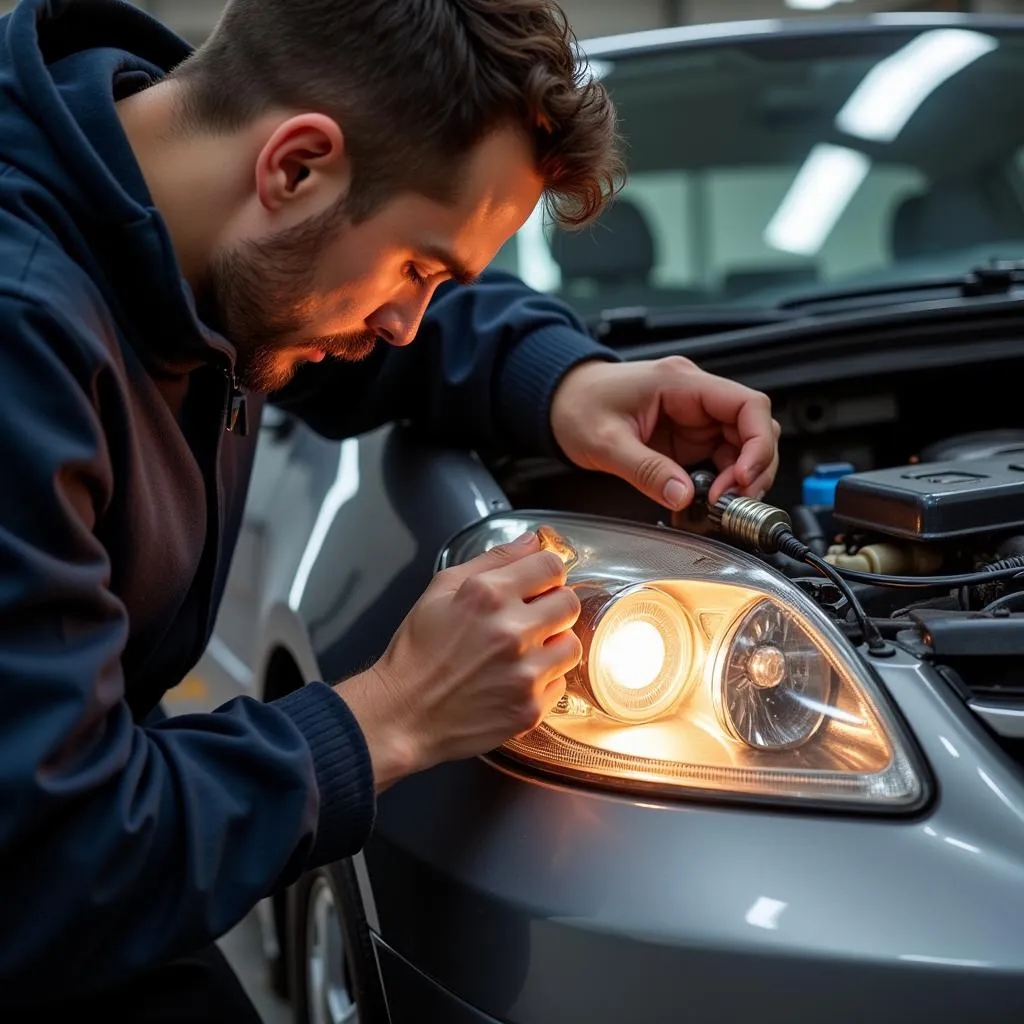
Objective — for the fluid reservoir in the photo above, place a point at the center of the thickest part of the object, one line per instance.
(819, 489)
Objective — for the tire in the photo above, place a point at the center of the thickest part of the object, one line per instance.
(277, 968)
(333, 969)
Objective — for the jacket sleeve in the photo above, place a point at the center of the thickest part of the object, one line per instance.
(482, 372)
(122, 846)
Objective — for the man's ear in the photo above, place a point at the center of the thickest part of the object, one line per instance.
(304, 159)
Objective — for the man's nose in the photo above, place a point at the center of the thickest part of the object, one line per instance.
(397, 325)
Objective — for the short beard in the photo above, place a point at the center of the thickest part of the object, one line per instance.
(255, 295)
(257, 369)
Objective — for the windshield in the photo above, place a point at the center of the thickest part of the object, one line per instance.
(766, 169)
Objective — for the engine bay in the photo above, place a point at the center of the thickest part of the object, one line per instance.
(874, 481)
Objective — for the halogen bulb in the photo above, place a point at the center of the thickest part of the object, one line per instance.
(766, 666)
(640, 656)
(773, 684)
(634, 655)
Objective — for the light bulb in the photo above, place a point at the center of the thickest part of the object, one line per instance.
(640, 657)
(766, 666)
(634, 655)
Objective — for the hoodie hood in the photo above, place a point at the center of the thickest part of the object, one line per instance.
(63, 66)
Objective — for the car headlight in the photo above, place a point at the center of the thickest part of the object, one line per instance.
(703, 669)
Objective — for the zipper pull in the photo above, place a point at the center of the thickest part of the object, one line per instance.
(238, 410)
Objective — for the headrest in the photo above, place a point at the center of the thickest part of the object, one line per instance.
(618, 247)
(948, 217)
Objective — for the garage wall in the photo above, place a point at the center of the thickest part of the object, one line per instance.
(194, 18)
(606, 17)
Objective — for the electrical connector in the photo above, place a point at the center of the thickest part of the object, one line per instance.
(769, 530)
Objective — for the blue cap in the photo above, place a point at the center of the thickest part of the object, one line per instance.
(820, 486)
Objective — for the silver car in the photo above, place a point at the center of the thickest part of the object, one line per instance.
(742, 810)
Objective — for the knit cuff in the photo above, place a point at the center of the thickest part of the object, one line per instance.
(531, 375)
(344, 774)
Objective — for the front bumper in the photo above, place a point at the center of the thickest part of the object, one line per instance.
(534, 902)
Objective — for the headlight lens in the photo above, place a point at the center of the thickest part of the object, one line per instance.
(640, 656)
(705, 670)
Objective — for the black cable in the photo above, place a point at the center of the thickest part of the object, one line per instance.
(807, 528)
(1006, 601)
(931, 582)
(770, 530)
(785, 542)
(872, 634)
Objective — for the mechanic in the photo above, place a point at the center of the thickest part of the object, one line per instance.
(182, 233)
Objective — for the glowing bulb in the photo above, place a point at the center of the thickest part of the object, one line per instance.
(641, 656)
(634, 655)
(766, 666)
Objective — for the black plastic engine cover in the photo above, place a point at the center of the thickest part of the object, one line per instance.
(935, 501)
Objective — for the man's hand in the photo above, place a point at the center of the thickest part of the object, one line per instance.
(481, 657)
(645, 421)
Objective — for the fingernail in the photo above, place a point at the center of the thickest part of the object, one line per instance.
(527, 538)
(676, 494)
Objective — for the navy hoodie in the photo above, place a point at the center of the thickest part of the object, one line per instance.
(124, 843)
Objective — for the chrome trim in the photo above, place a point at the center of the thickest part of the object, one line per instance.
(366, 892)
(629, 43)
(1002, 718)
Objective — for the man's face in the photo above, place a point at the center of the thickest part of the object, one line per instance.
(325, 287)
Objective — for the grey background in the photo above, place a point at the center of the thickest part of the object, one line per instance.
(194, 18)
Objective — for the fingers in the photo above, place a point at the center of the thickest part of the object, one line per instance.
(650, 472)
(725, 457)
(496, 558)
(531, 576)
(554, 613)
(543, 705)
(759, 440)
(520, 568)
(552, 694)
(703, 406)
(554, 659)
(731, 478)
(547, 667)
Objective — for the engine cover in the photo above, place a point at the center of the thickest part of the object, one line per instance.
(935, 501)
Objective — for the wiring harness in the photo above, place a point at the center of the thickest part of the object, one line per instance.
(769, 530)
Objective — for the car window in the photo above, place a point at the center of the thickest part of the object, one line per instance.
(770, 168)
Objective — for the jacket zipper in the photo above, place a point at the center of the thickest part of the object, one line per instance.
(236, 421)
(238, 410)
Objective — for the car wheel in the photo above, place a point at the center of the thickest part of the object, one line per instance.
(334, 977)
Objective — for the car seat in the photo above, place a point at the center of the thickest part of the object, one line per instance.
(609, 264)
(949, 217)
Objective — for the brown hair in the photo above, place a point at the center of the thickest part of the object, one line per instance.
(416, 85)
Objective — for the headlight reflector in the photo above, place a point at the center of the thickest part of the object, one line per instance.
(705, 670)
(773, 688)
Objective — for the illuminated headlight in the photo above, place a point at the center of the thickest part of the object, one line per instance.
(705, 670)
(638, 652)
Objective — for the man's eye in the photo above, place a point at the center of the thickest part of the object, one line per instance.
(413, 274)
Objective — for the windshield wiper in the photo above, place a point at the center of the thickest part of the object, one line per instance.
(640, 322)
(996, 278)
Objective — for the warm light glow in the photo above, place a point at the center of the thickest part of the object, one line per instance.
(766, 667)
(634, 655)
(641, 657)
(675, 630)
